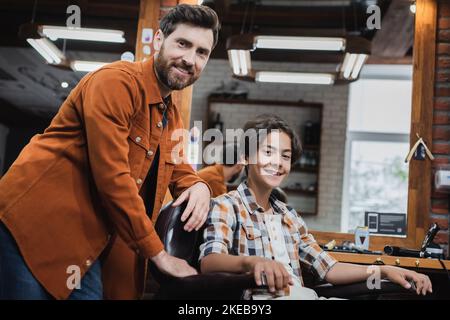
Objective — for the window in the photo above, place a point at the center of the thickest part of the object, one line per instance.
(375, 173)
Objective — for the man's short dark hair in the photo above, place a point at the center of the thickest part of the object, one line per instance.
(195, 15)
(268, 123)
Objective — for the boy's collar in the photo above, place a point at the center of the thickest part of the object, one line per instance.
(251, 204)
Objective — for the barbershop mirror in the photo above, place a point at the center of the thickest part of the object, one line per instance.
(372, 176)
(366, 128)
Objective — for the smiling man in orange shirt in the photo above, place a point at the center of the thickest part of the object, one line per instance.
(97, 176)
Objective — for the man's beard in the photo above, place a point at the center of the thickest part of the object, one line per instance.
(166, 75)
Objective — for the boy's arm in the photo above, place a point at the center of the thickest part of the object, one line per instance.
(218, 243)
(343, 273)
(222, 262)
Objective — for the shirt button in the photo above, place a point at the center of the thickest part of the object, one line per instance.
(88, 262)
(161, 106)
(139, 181)
(159, 124)
(138, 139)
(149, 153)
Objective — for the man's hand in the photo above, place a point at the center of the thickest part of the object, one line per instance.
(403, 276)
(173, 266)
(197, 206)
(274, 272)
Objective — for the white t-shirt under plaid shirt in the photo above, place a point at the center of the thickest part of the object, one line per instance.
(236, 226)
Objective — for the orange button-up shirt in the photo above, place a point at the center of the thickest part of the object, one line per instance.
(78, 183)
(214, 176)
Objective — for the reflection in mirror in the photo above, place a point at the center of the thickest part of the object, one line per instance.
(377, 141)
(365, 125)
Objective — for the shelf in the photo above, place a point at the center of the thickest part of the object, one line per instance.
(301, 192)
(305, 213)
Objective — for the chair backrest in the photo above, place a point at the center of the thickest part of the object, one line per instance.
(178, 242)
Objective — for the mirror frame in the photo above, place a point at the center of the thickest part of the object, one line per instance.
(419, 184)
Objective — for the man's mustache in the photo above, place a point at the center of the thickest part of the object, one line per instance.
(185, 67)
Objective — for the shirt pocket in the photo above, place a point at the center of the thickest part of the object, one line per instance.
(251, 233)
(138, 143)
(139, 137)
(250, 242)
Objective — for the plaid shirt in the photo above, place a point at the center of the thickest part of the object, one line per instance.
(236, 226)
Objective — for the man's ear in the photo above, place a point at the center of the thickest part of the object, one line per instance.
(158, 40)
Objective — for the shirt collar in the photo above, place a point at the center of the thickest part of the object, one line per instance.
(252, 206)
(151, 82)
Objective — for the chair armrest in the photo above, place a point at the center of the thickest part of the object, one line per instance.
(207, 286)
(360, 291)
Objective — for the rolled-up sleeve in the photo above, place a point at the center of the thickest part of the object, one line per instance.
(312, 255)
(220, 227)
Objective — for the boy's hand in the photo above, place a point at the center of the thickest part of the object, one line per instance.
(273, 272)
(403, 276)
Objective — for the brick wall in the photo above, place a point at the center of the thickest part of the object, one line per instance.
(334, 99)
(441, 121)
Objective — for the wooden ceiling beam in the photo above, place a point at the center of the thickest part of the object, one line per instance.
(396, 35)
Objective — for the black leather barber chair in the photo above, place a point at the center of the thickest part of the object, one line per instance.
(222, 285)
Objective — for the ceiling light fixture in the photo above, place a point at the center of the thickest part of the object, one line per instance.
(240, 62)
(86, 34)
(47, 50)
(295, 77)
(356, 51)
(86, 66)
(300, 43)
(352, 65)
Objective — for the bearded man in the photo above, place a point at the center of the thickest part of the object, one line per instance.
(81, 199)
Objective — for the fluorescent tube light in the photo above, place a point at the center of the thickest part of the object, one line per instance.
(352, 65)
(295, 77)
(86, 66)
(240, 61)
(358, 65)
(300, 43)
(47, 50)
(89, 34)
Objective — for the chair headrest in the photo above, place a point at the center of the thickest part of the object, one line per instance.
(177, 242)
